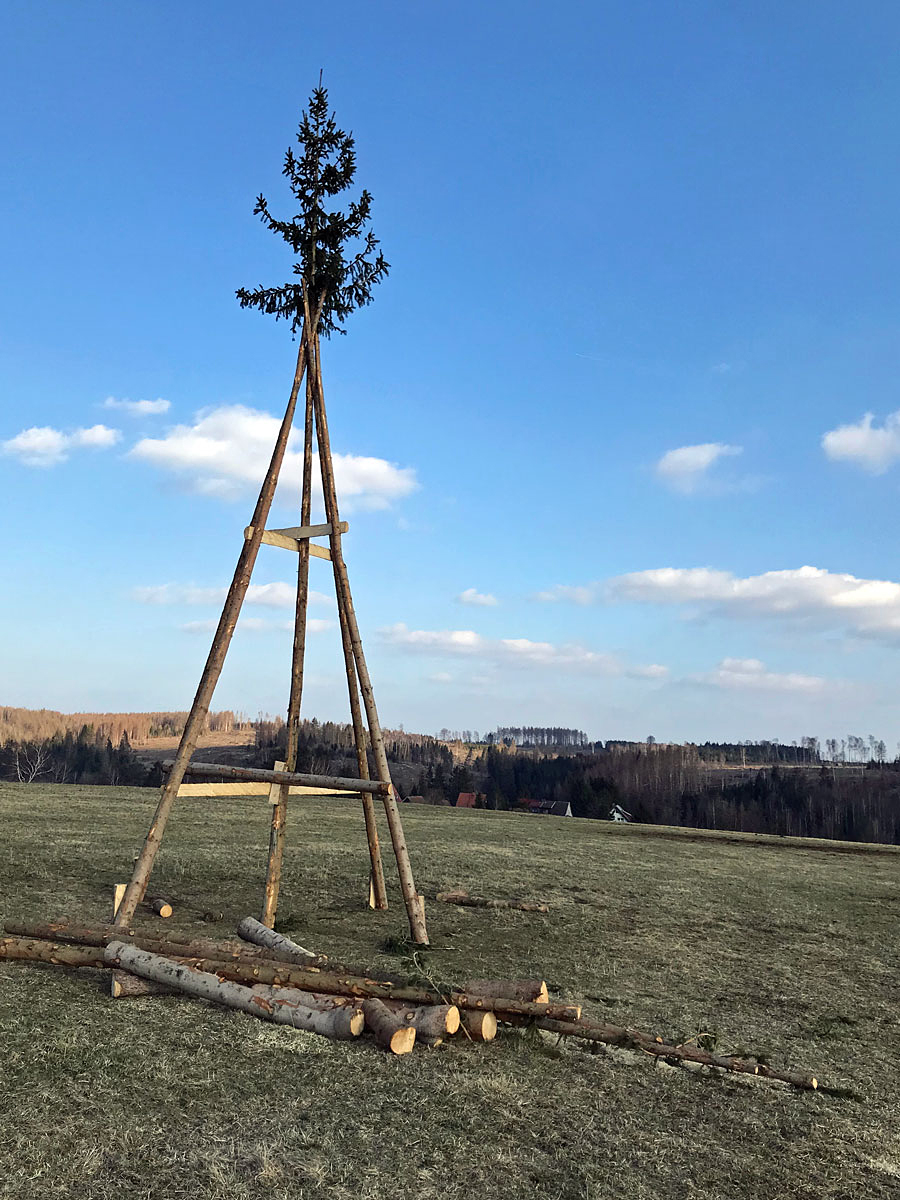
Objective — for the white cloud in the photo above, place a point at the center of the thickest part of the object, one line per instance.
(43, 446)
(684, 469)
(587, 593)
(226, 451)
(870, 447)
(749, 674)
(479, 599)
(269, 595)
(508, 652)
(865, 606)
(138, 408)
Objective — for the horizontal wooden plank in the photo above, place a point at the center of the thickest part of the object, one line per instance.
(309, 531)
(253, 789)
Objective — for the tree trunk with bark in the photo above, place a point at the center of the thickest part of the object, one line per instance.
(479, 1026)
(534, 990)
(258, 934)
(467, 901)
(391, 1029)
(337, 1023)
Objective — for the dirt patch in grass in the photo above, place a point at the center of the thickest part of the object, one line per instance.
(779, 952)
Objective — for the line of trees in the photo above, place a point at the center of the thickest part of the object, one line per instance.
(28, 724)
(86, 757)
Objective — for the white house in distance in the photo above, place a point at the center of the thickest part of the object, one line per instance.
(618, 813)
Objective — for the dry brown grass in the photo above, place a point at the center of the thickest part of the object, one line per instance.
(772, 950)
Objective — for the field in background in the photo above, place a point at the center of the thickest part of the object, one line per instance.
(771, 949)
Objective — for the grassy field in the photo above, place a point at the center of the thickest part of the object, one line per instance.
(769, 948)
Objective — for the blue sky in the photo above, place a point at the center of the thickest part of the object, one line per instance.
(610, 403)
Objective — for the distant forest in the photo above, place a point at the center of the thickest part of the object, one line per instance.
(850, 792)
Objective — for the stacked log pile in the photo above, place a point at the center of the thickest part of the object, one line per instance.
(273, 978)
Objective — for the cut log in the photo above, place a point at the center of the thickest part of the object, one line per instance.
(480, 1026)
(432, 1022)
(255, 932)
(391, 1029)
(39, 950)
(337, 1023)
(118, 893)
(465, 900)
(123, 985)
(513, 989)
(619, 1035)
(161, 907)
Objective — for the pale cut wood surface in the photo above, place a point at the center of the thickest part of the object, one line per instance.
(253, 789)
(271, 538)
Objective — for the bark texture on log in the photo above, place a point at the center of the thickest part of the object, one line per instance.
(336, 1023)
(39, 950)
(480, 1026)
(467, 901)
(391, 1029)
(258, 934)
(432, 1022)
(534, 990)
(620, 1035)
(122, 985)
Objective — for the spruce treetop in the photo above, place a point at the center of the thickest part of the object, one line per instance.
(335, 251)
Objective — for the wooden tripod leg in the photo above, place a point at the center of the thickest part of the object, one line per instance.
(345, 599)
(377, 887)
(197, 717)
(279, 809)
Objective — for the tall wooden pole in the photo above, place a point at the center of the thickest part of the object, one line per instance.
(194, 725)
(379, 891)
(279, 809)
(342, 586)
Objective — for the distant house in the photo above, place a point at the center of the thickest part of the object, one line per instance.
(618, 813)
(469, 799)
(548, 808)
(416, 800)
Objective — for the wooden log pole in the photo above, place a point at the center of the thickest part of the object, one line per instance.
(258, 775)
(196, 720)
(479, 1026)
(432, 1022)
(258, 934)
(161, 907)
(514, 989)
(279, 810)
(123, 986)
(390, 1029)
(417, 926)
(467, 901)
(620, 1035)
(336, 1023)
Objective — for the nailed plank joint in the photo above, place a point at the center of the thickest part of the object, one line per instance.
(290, 539)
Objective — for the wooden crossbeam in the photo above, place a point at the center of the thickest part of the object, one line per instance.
(214, 790)
(331, 783)
(290, 539)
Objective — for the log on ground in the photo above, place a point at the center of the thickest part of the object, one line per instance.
(432, 1022)
(534, 990)
(161, 907)
(253, 931)
(620, 1035)
(123, 986)
(391, 1029)
(466, 901)
(337, 1023)
(477, 1026)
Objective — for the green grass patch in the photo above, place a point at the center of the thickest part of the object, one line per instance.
(776, 951)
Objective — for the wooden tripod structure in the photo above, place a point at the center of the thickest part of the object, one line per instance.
(287, 778)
